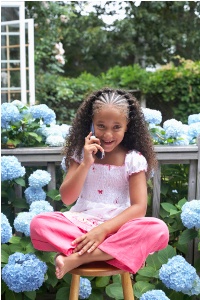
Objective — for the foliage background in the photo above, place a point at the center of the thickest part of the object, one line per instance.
(99, 54)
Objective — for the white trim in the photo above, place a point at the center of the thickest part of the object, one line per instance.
(11, 61)
(10, 33)
(22, 54)
(11, 89)
(12, 3)
(31, 63)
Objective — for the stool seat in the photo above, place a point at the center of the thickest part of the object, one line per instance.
(100, 268)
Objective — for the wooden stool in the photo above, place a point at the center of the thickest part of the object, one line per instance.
(100, 269)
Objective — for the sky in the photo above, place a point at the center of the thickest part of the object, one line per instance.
(108, 19)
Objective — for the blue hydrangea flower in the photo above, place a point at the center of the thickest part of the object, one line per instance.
(42, 111)
(52, 130)
(6, 229)
(194, 130)
(190, 214)
(38, 207)
(63, 165)
(55, 141)
(9, 114)
(183, 140)
(24, 272)
(22, 222)
(179, 275)
(193, 118)
(11, 168)
(18, 104)
(39, 178)
(173, 128)
(154, 295)
(85, 288)
(152, 116)
(34, 194)
(65, 130)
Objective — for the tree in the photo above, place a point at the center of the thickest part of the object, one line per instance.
(152, 33)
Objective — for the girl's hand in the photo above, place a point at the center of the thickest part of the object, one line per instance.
(90, 241)
(92, 145)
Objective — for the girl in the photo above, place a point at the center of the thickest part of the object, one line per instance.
(107, 222)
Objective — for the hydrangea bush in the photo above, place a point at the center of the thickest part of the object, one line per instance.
(24, 126)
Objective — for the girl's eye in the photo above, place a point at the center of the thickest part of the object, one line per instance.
(116, 127)
(100, 126)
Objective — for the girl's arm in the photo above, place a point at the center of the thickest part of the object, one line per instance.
(138, 197)
(73, 183)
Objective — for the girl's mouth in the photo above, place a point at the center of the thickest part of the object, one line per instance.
(107, 142)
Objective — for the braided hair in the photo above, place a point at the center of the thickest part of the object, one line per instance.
(137, 136)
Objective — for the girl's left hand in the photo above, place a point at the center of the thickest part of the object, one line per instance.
(90, 241)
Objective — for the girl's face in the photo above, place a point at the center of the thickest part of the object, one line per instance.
(110, 124)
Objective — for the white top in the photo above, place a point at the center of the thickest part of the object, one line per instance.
(105, 193)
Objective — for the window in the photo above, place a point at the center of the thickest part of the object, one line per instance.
(17, 54)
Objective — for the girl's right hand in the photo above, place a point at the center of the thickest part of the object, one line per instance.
(92, 145)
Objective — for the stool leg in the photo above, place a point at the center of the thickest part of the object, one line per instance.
(74, 289)
(127, 286)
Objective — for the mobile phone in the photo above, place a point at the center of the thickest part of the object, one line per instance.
(99, 154)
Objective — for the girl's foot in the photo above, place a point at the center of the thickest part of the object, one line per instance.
(63, 265)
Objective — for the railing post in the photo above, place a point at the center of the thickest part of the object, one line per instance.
(156, 192)
(197, 240)
(51, 168)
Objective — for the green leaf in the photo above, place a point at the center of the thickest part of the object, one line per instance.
(165, 254)
(168, 207)
(153, 261)
(52, 280)
(54, 195)
(181, 203)
(20, 181)
(9, 295)
(4, 256)
(174, 212)
(116, 278)
(20, 203)
(102, 281)
(62, 293)
(115, 290)
(142, 278)
(96, 295)
(31, 295)
(187, 235)
(148, 272)
(16, 248)
(15, 240)
(142, 287)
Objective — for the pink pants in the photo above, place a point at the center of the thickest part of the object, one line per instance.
(129, 246)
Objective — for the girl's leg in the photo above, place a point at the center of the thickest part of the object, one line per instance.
(134, 241)
(64, 264)
(54, 232)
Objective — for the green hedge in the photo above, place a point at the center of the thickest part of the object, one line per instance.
(174, 90)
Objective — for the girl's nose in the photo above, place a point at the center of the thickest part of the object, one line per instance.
(107, 134)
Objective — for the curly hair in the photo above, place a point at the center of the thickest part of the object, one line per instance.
(137, 136)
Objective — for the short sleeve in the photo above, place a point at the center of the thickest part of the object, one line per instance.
(76, 158)
(135, 162)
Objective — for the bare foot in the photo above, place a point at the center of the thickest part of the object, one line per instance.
(64, 264)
